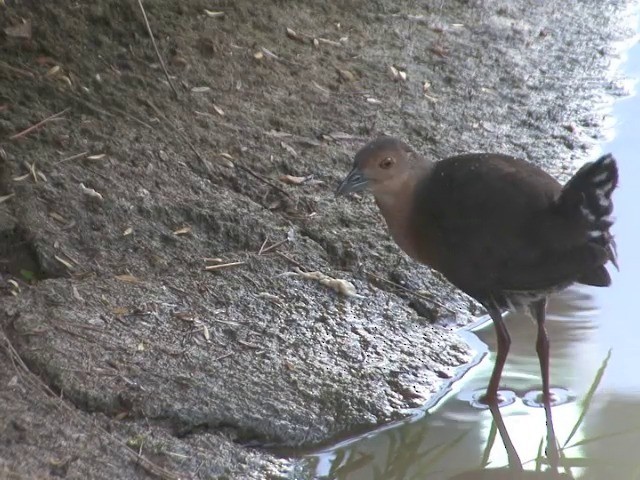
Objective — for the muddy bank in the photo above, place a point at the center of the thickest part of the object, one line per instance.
(113, 208)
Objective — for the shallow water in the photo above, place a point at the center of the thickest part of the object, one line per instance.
(595, 356)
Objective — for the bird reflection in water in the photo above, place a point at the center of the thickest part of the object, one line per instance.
(515, 469)
(425, 448)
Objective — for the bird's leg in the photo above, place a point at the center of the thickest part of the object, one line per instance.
(538, 310)
(504, 342)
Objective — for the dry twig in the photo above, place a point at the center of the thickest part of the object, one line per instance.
(20, 71)
(210, 268)
(72, 157)
(292, 261)
(262, 179)
(266, 239)
(179, 132)
(26, 131)
(272, 247)
(155, 46)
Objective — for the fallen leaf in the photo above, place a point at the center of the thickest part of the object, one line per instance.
(439, 51)
(205, 332)
(269, 53)
(341, 286)
(21, 177)
(21, 30)
(200, 89)
(128, 278)
(397, 74)
(275, 204)
(330, 42)
(4, 198)
(212, 14)
(56, 216)
(226, 163)
(289, 148)
(258, 55)
(128, 231)
(214, 260)
(319, 87)
(346, 75)
(52, 71)
(343, 136)
(294, 36)
(67, 80)
(64, 262)
(76, 294)
(218, 110)
(182, 231)
(292, 180)
(90, 192)
(121, 415)
(179, 61)
(271, 297)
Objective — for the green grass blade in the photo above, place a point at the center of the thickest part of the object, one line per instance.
(337, 461)
(565, 462)
(440, 452)
(586, 402)
(351, 466)
(539, 456)
(604, 436)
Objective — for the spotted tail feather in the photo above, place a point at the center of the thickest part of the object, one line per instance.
(591, 187)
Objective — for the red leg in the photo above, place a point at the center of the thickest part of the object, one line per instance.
(504, 342)
(538, 310)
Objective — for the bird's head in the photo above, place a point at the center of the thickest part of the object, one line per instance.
(383, 165)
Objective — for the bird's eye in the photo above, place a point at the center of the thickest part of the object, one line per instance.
(387, 163)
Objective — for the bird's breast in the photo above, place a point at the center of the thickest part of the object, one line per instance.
(411, 240)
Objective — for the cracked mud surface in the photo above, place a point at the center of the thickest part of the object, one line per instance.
(202, 372)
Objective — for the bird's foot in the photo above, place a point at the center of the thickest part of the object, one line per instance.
(557, 396)
(501, 398)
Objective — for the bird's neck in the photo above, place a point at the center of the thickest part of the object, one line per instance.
(396, 203)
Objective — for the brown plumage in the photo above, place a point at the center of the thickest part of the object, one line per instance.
(502, 230)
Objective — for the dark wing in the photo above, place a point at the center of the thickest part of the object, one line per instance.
(496, 225)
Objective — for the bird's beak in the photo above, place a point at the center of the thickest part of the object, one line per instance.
(354, 182)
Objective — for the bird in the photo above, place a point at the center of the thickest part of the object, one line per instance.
(499, 228)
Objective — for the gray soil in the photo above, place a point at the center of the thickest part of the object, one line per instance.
(120, 356)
